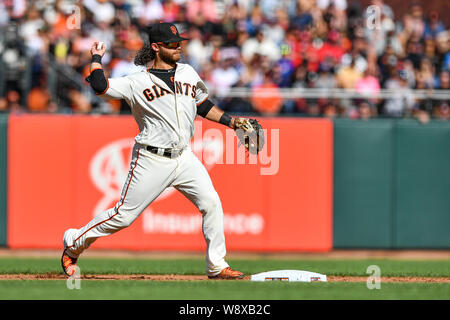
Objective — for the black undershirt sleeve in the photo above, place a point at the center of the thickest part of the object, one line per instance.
(98, 81)
(204, 107)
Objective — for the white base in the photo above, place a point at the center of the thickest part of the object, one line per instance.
(289, 275)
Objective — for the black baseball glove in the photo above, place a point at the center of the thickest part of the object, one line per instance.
(250, 133)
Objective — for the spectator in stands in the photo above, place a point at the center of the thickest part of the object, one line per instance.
(326, 78)
(425, 74)
(39, 99)
(124, 64)
(442, 111)
(103, 32)
(271, 102)
(252, 73)
(348, 76)
(413, 23)
(415, 52)
(237, 105)
(284, 68)
(303, 43)
(103, 10)
(358, 52)
(403, 103)
(336, 11)
(261, 45)
(29, 29)
(83, 42)
(387, 63)
(366, 110)
(16, 9)
(4, 19)
(443, 48)
(171, 9)
(430, 51)
(369, 84)
(332, 49)
(443, 82)
(422, 116)
(270, 7)
(313, 109)
(197, 49)
(274, 31)
(13, 62)
(13, 102)
(78, 102)
(433, 25)
(407, 66)
(205, 8)
(255, 20)
(330, 110)
(224, 76)
(148, 12)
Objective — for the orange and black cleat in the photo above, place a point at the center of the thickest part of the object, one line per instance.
(228, 273)
(68, 264)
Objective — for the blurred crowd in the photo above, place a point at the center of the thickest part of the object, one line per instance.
(263, 46)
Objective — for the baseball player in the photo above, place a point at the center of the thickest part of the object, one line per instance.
(164, 101)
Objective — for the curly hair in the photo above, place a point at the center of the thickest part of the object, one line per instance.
(145, 55)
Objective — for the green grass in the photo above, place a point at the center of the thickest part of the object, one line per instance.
(216, 290)
(222, 290)
(434, 268)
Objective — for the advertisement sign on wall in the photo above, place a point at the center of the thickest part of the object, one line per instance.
(63, 170)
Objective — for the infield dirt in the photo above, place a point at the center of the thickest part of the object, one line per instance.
(336, 254)
(176, 277)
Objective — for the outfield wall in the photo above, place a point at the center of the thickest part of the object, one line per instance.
(342, 184)
(3, 177)
(63, 170)
(391, 184)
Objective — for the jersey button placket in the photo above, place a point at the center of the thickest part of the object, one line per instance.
(177, 97)
(180, 118)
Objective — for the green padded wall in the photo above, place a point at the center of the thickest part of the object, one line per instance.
(422, 206)
(391, 184)
(363, 184)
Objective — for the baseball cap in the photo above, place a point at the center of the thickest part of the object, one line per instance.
(164, 32)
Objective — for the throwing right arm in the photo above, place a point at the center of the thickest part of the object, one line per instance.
(118, 88)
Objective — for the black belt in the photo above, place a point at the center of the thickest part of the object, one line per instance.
(168, 153)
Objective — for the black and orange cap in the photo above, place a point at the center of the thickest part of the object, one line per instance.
(164, 32)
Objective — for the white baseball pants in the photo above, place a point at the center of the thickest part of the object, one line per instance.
(148, 177)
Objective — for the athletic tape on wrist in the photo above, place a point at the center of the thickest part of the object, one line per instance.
(225, 119)
(96, 58)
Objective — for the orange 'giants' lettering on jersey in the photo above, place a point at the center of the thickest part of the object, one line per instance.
(188, 89)
(158, 92)
(148, 94)
(178, 87)
(187, 86)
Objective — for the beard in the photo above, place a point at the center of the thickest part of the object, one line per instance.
(170, 58)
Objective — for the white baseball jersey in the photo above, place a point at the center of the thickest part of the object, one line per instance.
(165, 119)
